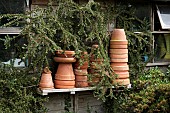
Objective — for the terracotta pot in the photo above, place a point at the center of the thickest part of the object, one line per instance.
(93, 59)
(119, 60)
(82, 84)
(119, 64)
(94, 81)
(63, 87)
(81, 78)
(82, 72)
(64, 60)
(65, 54)
(120, 68)
(95, 65)
(84, 62)
(64, 77)
(65, 82)
(121, 82)
(65, 72)
(118, 42)
(118, 34)
(119, 56)
(122, 74)
(125, 46)
(46, 79)
(83, 66)
(118, 51)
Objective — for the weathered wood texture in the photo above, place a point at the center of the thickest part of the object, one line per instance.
(81, 102)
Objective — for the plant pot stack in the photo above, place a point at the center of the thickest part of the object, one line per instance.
(46, 81)
(95, 67)
(80, 71)
(119, 57)
(64, 77)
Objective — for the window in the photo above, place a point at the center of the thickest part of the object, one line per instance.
(161, 32)
(164, 15)
(10, 55)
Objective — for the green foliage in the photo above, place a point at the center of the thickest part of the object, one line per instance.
(18, 92)
(151, 93)
(68, 26)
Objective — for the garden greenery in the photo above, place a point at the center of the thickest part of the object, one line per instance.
(71, 26)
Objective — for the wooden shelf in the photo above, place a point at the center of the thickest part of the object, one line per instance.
(158, 64)
(71, 91)
(157, 32)
(10, 30)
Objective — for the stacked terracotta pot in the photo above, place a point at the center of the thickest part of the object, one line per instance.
(95, 67)
(46, 81)
(64, 77)
(119, 57)
(80, 70)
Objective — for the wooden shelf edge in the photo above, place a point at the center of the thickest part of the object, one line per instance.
(158, 64)
(72, 91)
(10, 30)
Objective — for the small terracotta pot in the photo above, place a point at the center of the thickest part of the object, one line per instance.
(46, 79)
(81, 78)
(82, 84)
(118, 34)
(122, 74)
(119, 60)
(121, 82)
(64, 60)
(63, 87)
(118, 51)
(119, 56)
(118, 42)
(82, 72)
(65, 54)
(125, 46)
(65, 82)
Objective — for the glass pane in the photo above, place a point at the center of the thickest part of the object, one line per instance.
(162, 47)
(164, 16)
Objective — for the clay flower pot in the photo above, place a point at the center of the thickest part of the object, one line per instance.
(112, 46)
(119, 66)
(119, 56)
(65, 72)
(121, 82)
(81, 78)
(80, 84)
(65, 54)
(118, 51)
(46, 81)
(82, 64)
(65, 82)
(82, 72)
(64, 77)
(118, 34)
(64, 60)
(122, 74)
(119, 60)
(118, 42)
